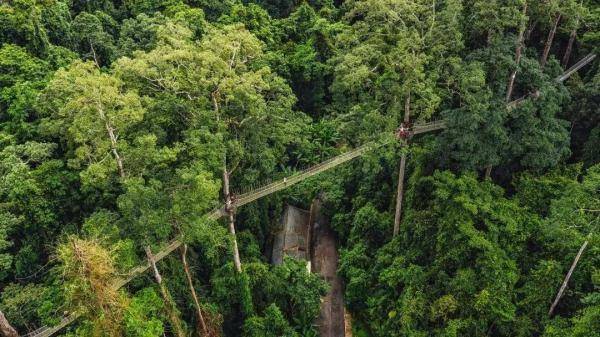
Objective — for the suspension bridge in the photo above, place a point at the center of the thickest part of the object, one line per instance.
(239, 201)
(276, 186)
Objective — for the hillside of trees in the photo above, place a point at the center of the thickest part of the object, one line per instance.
(124, 124)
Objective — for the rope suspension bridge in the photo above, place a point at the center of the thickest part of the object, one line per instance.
(279, 185)
(564, 76)
(239, 201)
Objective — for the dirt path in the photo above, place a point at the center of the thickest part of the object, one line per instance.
(331, 322)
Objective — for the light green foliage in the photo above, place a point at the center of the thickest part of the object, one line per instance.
(90, 270)
(228, 89)
(142, 317)
(492, 18)
(389, 61)
(82, 104)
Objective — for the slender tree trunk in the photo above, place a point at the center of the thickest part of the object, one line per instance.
(567, 56)
(113, 141)
(229, 208)
(399, 194)
(245, 293)
(488, 171)
(401, 171)
(94, 55)
(188, 276)
(530, 30)
(567, 278)
(6, 330)
(549, 41)
(169, 305)
(113, 144)
(513, 75)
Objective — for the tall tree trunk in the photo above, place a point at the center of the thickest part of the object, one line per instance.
(549, 40)
(530, 30)
(113, 144)
(229, 208)
(567, 278)
(188, 276)
(169, 305)
(567, 56)
(401, 171)
(94, 55)
(518, 51)
(113, 140)
(399, 194)
(488, 171)
(6, 330)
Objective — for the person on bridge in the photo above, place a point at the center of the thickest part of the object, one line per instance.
(403, 132)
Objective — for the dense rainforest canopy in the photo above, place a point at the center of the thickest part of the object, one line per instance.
(123, 123)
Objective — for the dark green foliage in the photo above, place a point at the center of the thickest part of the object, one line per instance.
(92, 37)
(272, 324)
(285, 298)
(21, 23)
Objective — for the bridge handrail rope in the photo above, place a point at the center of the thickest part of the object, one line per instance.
(566, 74)
(302, 175)
(427, 127)
(587, 59)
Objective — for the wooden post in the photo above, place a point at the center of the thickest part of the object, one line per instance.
(549, 41)
(567, 278)
(169, 305)
(188, 276)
